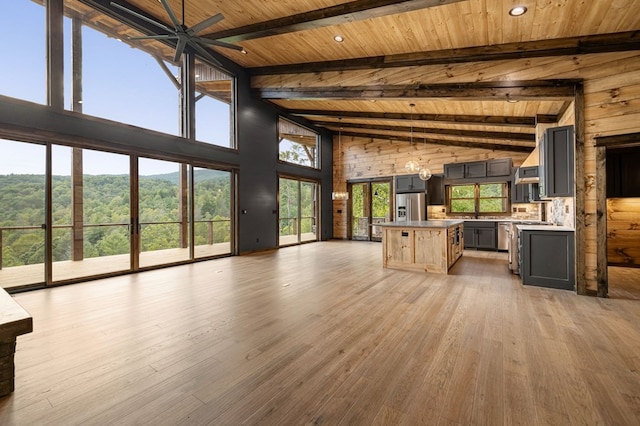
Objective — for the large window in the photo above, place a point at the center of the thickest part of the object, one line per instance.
(297, 144)
(125, 84)
(23, 73)
(214, 106)
(479, 198)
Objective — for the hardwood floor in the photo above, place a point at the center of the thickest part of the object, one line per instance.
(322, 334)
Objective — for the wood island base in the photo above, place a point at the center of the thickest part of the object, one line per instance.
(428, 246)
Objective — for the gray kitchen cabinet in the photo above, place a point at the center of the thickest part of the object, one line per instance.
(519, 194)
(436, 190)
(481, 235)
(499, 167)
(547, 258)
(454, 171)
(477, 169)
(526, 172)
(525, 192)
(410, 183)
(556, 163)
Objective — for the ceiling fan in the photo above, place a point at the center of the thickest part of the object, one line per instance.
(183, 35)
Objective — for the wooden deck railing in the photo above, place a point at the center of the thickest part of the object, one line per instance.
(210, 229)
(293, 223)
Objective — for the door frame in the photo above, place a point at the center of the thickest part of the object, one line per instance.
(369, 183)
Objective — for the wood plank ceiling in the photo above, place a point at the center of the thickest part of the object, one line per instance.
(296, 63)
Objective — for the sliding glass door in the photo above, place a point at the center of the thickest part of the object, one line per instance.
(370, 203)
(213, 230)
(163, 224)
(110, 213)
(22, 213)
(91, 211)
(298, 211)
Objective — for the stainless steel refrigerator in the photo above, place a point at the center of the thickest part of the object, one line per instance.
(411, 206)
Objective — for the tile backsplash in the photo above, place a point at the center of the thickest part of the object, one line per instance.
(560, 212)
(532, 211)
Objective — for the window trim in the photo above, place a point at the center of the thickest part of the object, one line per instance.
(317, 162)
(477, 198)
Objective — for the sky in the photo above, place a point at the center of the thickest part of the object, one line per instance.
(145, 98)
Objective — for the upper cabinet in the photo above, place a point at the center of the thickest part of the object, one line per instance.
(435, 190)
(454, 171)
(410, 183)
(556, 163)
(478, 169)
(499, 167)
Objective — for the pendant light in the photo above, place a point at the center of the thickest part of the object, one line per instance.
(339, 195)
(425, 173)
(412, 166)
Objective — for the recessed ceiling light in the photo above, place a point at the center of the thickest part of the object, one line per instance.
(338, 38)
(518, 11)
(244, 52)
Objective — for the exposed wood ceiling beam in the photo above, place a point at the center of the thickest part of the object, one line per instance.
(332, 15)
(445, 118)
(613, 42)
(529, 137)
(499, 90)
(492, 146)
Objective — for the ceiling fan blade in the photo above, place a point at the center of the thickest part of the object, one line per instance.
(205, 54)
(172, 16)
(182, 43)
(206, 23)
(217, 43)
(155, 37)
(144, 18)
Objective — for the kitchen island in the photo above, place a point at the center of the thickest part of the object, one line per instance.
(426, 245)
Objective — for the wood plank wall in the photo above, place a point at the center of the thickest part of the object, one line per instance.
(372, 158)
(623, 231)
(612, 107)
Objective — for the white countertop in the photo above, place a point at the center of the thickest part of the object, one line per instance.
(434, 223)
(544, 228)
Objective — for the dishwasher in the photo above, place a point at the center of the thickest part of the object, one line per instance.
(503, 235)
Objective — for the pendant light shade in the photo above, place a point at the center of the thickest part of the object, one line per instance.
(339, 195)
(424, 173)
(412, 166)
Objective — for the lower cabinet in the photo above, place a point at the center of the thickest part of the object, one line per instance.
(481, 235)
(455, 244)
(547, 258)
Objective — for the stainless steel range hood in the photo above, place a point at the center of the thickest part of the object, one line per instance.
(529, 167)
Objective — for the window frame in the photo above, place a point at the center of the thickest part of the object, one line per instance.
(317, 154)
(477, 199)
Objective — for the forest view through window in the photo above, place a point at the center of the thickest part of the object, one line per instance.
(297, 145)
(479, 198)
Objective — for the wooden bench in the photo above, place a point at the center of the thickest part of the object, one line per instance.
(14, 321)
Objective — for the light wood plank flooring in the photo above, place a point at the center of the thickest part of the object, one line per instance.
(65, 270)
(322, 334)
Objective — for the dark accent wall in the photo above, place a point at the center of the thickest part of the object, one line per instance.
(256, 159)
(259, 169)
